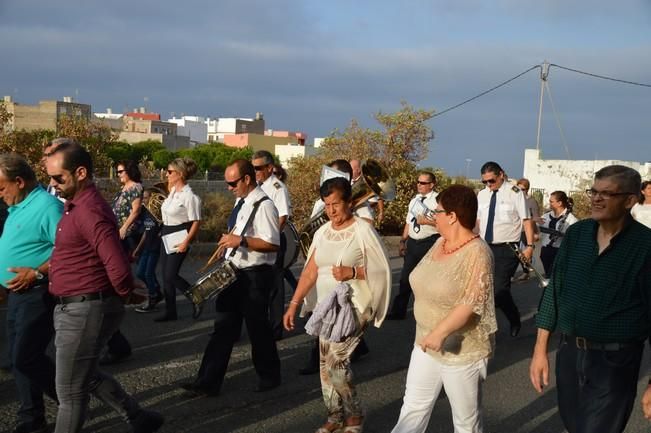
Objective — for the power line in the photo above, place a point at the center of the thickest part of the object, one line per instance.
(485, 92)
(603, 77)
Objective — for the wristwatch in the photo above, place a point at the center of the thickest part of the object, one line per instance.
(243, 242)
(39, 275)
(532, 246)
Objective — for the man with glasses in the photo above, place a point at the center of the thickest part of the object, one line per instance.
(251, 248)
(25, 249)
(599, 299)
(418, 236)
(502, 216)
(89, 274)
(263, 163)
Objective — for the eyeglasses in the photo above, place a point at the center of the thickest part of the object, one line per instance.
(606, 195)
(234, 183)
(58, 179)
(122, 171)
(438, 211)
(420, 182)
(489, 181)
(259, 167)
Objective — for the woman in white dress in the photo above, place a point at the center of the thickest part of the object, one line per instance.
(344, 249)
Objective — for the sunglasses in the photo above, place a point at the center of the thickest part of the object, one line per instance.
(423, 183)
(168, 171)
(259, 167)
(122, 171)
(489, 181)
(234, 183)
(58, 179)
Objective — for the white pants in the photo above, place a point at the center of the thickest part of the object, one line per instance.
(426, 377)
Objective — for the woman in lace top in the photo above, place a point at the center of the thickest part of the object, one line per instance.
(455, 319)
(344, 249)
(126, 204)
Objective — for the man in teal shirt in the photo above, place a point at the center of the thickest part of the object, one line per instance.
(599, 299)
(25, 248)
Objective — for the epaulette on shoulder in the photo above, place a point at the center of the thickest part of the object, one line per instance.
(516, 189)
(277, 185)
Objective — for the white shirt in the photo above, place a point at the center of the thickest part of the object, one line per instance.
(264, 226)
(642, 213)
(565, 221)
(277, 192)
(510, 211)
(181, 207)
(412, 212)
(364, 211)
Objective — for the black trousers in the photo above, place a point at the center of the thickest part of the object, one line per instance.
(171, 265)
(547, 257)
(506, 263)
(416, 249)
(246, 300)
(596, 388)
(277, 294)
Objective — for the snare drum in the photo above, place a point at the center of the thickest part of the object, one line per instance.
(220, 277)
(291, 251)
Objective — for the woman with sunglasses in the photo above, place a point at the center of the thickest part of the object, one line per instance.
(555, 224)
(180, 211)
(126, 204)
(455, 319)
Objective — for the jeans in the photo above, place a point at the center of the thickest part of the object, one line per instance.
(596, 388)
(425, 378)
(82, 330)
(146, 271)
(29, 331)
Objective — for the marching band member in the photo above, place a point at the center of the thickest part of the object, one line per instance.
(556, 221)
(255, 242)
(501, 217)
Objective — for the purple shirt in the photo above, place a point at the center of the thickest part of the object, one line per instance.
(88, 256)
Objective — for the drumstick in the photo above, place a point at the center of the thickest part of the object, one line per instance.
(216, 254)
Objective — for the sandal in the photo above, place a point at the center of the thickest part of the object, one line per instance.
(330, 427)
(355, 428)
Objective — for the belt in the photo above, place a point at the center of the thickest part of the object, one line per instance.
(427, 239)
(501, 244)
(84, 297)
(584, 344)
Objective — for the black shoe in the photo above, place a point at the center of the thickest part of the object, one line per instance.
(309, 369)
(113, 358)
(515, 330)
(267, 385)
(147, 421)
(166, 318)
(32, 427)
(198, 390)
(394, 316)
(147, 307)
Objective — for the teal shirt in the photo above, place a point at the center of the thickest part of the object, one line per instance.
(28, 236)
(602, 297)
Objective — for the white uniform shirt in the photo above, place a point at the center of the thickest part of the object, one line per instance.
(364, 211)
(642, 213)
(181, 207)
(264, 226)
(510, 211)
(277, 192)
(425, 230)
(565, 221)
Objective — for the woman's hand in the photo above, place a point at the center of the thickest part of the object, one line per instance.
(123, 232)
(182, 247)
(288, 317)
(342, 273)
(433, 341)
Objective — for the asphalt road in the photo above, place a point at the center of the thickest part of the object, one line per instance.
(168, 354)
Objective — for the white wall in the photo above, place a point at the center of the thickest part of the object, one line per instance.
(569, 175)
(287, 151)
(194, 127)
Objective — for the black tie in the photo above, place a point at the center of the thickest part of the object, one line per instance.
(233, 217)
(491, 217)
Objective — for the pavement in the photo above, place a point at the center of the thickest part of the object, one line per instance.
(168, 354)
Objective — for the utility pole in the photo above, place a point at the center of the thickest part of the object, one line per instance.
(544, 73)
(468, 161)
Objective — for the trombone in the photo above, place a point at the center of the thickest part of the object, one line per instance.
(542, 281)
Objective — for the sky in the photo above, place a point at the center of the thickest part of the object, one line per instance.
(313, 66)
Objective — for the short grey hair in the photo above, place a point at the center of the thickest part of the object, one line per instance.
(13, 165)
(626, 178)
(265, 155)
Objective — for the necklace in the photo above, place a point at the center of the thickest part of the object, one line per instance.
(459, 247)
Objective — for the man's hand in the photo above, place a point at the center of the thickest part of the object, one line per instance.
(646, 403)
(528, 253)
(539, 370)
(24, 278)
(403, 248)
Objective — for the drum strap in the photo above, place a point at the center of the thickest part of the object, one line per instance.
(256, 205)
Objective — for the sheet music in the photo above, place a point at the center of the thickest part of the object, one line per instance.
(171, 241)
(331, 173)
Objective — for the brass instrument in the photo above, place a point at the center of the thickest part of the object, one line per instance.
(159, 193)
(375, 180)
(542, 281)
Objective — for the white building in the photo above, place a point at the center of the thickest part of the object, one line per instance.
(194, 127)
(218, 128)
(569, 175)
(318, 141)
(108, 115)
(286, 152)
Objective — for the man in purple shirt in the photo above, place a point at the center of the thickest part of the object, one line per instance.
(89, 272)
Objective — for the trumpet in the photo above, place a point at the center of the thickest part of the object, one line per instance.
(542, 281)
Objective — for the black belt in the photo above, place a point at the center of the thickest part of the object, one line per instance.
(84, 297)
(502, 244)
(257, 268)
(584, 344)
(427, 239)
